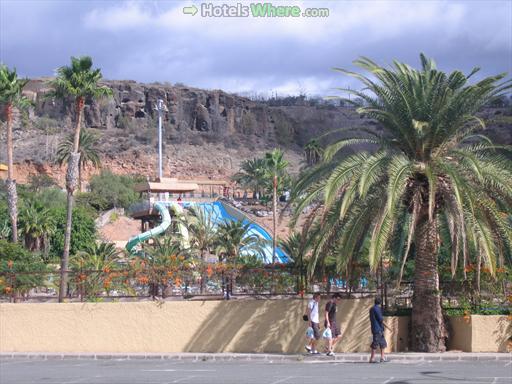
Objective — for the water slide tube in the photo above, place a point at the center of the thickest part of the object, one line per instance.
(166, 221)
(161, 207)
(181, 227)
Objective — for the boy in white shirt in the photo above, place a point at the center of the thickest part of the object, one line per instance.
(314, 319)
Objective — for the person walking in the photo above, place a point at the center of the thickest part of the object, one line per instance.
(330, 322)
(377, 324)
(314, 319)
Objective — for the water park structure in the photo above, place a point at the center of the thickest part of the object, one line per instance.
(166, 199)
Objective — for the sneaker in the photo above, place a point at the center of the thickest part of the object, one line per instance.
(330, 353)
(315, 352)
(384, 360)
(308, 348)
(373, 362)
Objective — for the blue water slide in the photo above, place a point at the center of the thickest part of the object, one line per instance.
(219, 214)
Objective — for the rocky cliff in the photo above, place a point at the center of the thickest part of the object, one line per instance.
(206, 132)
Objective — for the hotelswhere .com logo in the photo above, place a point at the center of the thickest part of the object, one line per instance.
(254, 10)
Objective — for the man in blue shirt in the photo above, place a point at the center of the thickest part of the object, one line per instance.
(377, 323)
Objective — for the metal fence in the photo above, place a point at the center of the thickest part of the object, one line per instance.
(221, 281)
(216, 281)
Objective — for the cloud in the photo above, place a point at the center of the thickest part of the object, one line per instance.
(130, 15)
(154, 41)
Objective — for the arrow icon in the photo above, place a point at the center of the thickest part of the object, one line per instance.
(190, 10)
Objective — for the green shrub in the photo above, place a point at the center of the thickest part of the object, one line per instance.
(115, 190)
(41, 181)
(51, 198)
(15, 259)
(83, 231)
(92, 202)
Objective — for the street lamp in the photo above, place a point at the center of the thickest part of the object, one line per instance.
(160, 108)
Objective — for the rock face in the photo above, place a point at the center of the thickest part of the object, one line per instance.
(206, 132)
(191, 111)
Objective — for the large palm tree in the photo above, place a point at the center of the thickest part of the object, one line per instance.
(78, 81)
(88, 152)
(276, 170)
(430, 165)
(11, 97)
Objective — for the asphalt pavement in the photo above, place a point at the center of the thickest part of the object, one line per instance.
(296, 370)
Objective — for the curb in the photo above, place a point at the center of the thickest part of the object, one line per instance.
(269, 358)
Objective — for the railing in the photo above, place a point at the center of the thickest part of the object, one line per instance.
(214, 281)
(223, 281)
(453, 295)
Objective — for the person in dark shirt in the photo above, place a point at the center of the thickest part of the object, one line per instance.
(330, 322)
(377, 324)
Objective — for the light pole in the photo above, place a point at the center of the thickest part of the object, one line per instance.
(160, 107)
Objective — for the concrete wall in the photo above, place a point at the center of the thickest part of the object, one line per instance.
(478, 333)
(179, 326)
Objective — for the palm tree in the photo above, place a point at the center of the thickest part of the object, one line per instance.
(95, 261)
(37, 225)
(313, 151)
(161, 256)
(88, 154)
(202, 235)
(429, 165)
(80, 82)
(251, 174)
(233, 240)
(11, 97)
(276, 170)
(295, 247)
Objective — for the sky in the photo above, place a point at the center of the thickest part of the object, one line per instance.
(154, 41)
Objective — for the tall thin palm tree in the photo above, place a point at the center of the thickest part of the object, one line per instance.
(88, 152)
(276, 170)
(78, 81)
(430, 164)
(11, 97)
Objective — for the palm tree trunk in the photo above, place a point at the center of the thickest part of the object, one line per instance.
(274, 227)
(12, 196)
(428, 330)
(79, 178)
(203, 273)
(274, 221)
(71, 181)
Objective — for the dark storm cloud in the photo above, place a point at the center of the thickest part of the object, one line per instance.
(154, 41)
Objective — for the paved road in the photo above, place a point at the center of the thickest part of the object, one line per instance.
(123, 371)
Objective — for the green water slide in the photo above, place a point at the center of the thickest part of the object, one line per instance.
(166, 221)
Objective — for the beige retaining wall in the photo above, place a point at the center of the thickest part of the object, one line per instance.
(478, 333)
(213, 326)
(178, 326)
